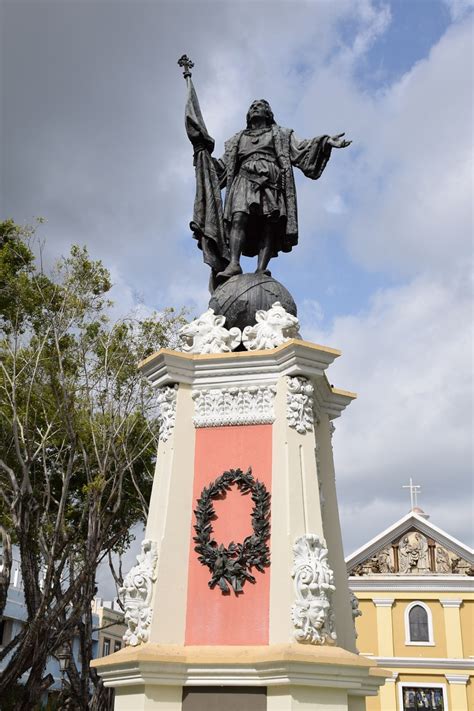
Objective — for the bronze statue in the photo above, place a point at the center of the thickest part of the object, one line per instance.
(259, 216)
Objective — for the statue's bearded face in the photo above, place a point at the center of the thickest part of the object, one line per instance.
(260, 109)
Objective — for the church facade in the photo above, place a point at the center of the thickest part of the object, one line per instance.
(414, 585)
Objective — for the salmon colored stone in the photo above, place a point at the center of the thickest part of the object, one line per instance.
(211, 617)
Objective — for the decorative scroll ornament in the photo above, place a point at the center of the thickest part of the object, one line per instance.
(167, 414)
(207, 334)
(136, 594)
(312, 614)
(299, 404)
(273, 327)
(230, 566)
(252, 405)
(355, 610)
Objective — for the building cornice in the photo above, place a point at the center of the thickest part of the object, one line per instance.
(438, 663)
(411, 583)
(411, 520)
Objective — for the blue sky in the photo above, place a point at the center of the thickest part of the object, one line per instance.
(94, 142)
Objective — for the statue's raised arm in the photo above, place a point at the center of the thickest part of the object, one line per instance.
(259, 215)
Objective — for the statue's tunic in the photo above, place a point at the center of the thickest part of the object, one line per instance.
(257, 170)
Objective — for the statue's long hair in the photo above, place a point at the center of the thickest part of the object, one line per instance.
(269, 113)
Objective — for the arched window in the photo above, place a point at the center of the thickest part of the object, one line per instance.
(418, 621)
(418, 624)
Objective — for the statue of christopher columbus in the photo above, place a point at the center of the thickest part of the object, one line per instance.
(259, 217)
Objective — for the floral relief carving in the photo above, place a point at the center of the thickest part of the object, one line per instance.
(167, 410)
(312, 613)
(252, 405)
(136, 594)
(299, 404)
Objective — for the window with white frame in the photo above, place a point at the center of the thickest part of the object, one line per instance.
(106, 647)
(417, 696)
(418, 624)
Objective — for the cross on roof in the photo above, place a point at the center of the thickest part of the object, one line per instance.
(414, 491)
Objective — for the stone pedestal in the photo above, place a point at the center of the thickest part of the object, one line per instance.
(287, 640)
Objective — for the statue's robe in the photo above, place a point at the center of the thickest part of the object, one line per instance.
(309, 155)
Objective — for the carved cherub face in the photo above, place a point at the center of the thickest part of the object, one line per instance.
(318, 612)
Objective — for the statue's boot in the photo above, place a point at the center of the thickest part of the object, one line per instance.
(230, 271)
(267, 272)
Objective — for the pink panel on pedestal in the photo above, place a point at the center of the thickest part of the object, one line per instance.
(212, 617)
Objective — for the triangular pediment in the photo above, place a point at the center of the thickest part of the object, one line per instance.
(412, 546)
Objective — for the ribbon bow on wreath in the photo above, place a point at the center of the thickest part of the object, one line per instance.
(231, 565)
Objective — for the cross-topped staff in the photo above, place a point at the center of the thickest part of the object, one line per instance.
(186, 65)
(414, 491)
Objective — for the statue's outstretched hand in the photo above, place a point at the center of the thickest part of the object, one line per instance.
(338, 141)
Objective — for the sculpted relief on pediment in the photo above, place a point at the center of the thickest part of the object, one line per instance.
(414, 554)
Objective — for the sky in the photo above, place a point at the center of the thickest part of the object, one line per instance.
(93, 141)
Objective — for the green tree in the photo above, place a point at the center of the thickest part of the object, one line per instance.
(77, 447)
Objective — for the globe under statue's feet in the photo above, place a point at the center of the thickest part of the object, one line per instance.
(230, 271)
(242, 295)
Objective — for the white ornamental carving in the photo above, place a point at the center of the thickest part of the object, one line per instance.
(312, 613)
(136, 594)
(272, 328)
(167, 410)
(206, 334)
(299, 404)
(355, 610)
(252, 405)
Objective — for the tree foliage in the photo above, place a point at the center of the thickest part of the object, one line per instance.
(78, 438)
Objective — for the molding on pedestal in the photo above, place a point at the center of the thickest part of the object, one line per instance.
(234, 406)
(167, 414)
(312, 613)
(266, 367)
(287, 664)
(136, 594)
(299, 404)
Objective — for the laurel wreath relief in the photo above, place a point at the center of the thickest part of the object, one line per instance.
(230, 566)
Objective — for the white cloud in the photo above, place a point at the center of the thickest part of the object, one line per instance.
(409, 357)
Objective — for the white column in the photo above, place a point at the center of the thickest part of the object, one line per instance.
(452, 623)
(388, 695)
(458, 691)
(384, 625)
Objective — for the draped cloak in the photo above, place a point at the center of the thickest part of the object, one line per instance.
(309, 155)
(207, 224)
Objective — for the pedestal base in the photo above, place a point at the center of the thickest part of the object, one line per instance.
(261, 678)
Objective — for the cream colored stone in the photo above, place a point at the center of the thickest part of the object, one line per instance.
(148, 698)
(452, 623)
(332, 534)
(355, 703)
(290, 698)
(169, 523)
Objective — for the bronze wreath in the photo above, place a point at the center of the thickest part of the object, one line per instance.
(231, 565)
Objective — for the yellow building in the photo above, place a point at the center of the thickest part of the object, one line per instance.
(111, 626)
(415, 588)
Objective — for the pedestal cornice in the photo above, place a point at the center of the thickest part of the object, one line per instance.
(255, 367)
(281, 664)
